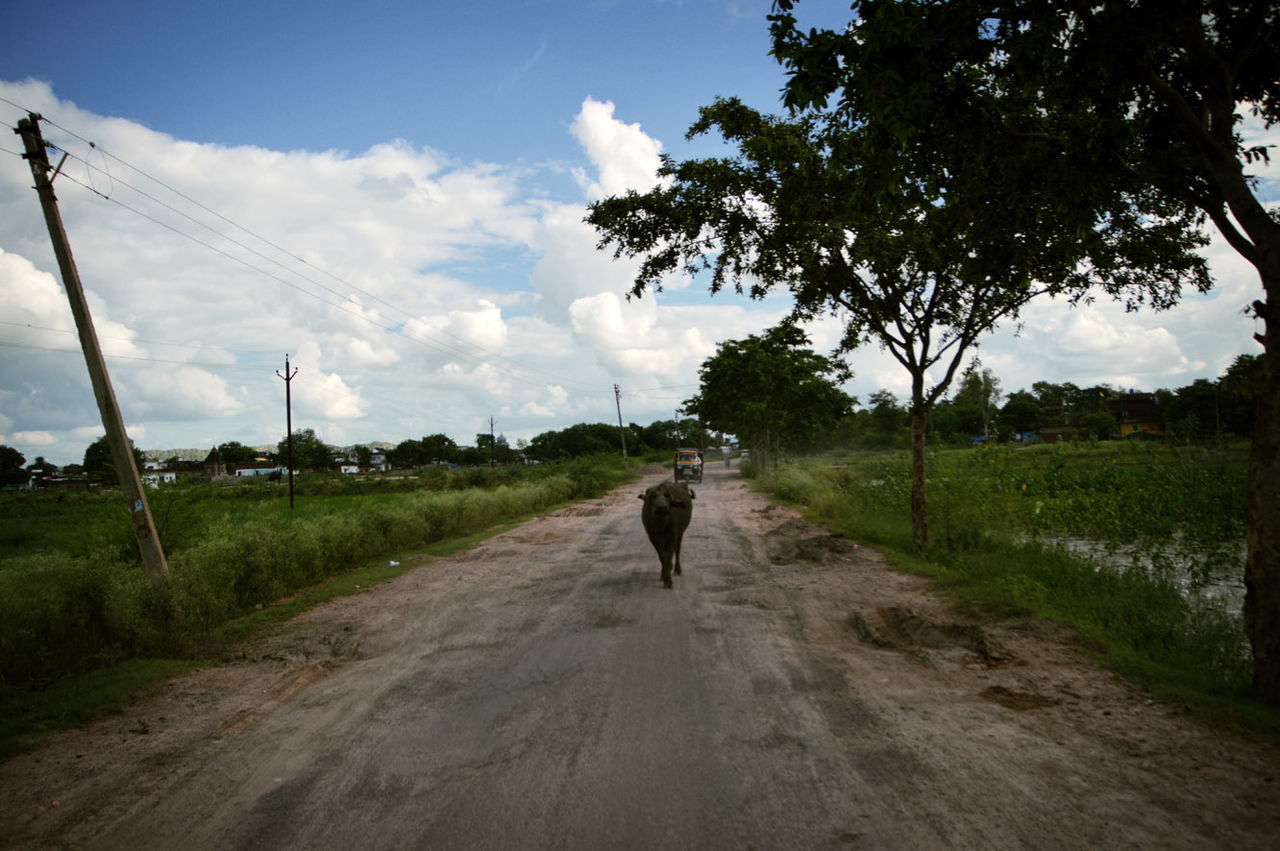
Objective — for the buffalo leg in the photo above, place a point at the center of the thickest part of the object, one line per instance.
(666, 569)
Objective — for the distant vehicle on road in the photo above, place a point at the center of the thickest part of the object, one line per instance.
(688, 465)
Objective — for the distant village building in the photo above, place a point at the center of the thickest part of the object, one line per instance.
(214, 467)
(260, 468)
(160, 477)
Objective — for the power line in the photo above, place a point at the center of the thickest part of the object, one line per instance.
(439, 347)
(271, 352)
(132, 357)
(483, 357)
(235, 225)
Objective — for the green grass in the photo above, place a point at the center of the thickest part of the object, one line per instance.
(76, 604)
(27, 713)
(990, 511)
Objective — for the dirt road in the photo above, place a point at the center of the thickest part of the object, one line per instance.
(544, 691)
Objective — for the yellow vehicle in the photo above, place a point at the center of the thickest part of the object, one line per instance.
(688, 465)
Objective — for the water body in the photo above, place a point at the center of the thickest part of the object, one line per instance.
(1212, 573)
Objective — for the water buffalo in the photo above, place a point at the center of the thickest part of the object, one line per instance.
(666, 513)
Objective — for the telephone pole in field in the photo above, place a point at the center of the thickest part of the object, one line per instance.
(617, 397)
(493, 445)
(288, 420)
(144, 526)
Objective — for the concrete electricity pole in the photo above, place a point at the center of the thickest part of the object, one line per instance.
(144, 527)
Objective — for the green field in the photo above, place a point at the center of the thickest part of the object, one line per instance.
(1129, 543)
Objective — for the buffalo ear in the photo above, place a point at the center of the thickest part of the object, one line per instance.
(640, 496)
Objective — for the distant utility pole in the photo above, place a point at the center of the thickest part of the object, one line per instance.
(493, 442)
(288, 419)
(144, 526)
(617, 397)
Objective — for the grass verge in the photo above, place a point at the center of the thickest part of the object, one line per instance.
(1185, 648)
(234, 612)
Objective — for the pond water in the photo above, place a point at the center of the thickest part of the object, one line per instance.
(1215, 573)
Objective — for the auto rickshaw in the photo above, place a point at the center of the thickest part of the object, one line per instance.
(688, 465)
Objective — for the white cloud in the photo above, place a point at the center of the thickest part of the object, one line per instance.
(419, 293)
(33, 438)
(182, 393)
(322, 394)
(556, 399)
(623, 155)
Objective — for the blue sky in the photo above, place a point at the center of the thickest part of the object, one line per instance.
(392, 193)
(497, 81)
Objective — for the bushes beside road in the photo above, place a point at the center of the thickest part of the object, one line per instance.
(73, 595)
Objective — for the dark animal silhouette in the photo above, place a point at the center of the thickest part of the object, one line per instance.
(666, 513)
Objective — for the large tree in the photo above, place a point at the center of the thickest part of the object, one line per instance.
(1145, 97)
(97, 456)
(919, 260)
(771, 391)
(11, 471)
(576, 441)
(235, 452)
(309, 451)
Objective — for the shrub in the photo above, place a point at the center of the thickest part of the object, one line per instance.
(69, 610)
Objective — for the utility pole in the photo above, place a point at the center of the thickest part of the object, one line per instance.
(493, 445)
(288, 419)
(617, 396)
(144, 526)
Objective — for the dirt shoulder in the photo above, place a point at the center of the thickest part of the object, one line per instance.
(792, 691)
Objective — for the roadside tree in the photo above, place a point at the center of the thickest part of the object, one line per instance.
(309, 451)
(234, 452)
(771, 392)
(919, 260)
(1127, 115)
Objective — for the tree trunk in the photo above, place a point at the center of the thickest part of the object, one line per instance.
(1262, 566)
(919, 501)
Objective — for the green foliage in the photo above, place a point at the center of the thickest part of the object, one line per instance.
(234, 452)
(11, 469)
(74, 602)
(432, 449)
(577, 441)
(97, 457)
(770, 391)
(309, 451)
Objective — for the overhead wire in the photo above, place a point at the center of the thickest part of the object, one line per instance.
(111, 356)
(479, 357)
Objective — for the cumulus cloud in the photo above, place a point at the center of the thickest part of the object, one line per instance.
(417, 293)
(33, 438)
(624, 156)
(323, 394)
(184, 393)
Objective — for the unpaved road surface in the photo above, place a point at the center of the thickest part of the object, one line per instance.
(544, 691)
